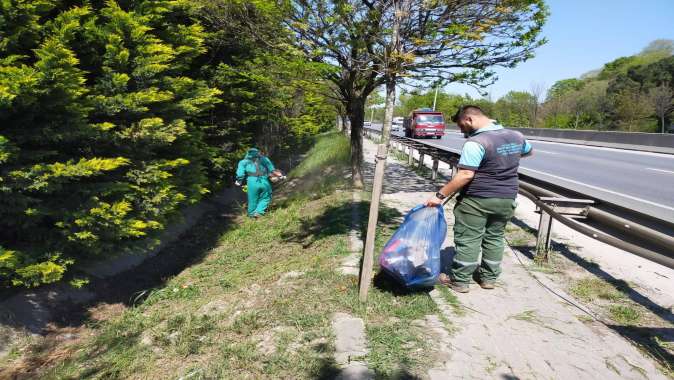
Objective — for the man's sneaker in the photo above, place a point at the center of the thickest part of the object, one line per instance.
(450, 283)
(486, 284)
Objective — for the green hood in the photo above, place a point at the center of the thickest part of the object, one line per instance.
(253, 153)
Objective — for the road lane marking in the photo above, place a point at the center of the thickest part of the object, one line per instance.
(604, 148)
(661, 170)
(544, 151)
(601, 189)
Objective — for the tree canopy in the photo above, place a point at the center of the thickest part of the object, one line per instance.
(441, 40)
(116, 115)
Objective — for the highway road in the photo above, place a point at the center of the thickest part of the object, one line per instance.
(637, 180)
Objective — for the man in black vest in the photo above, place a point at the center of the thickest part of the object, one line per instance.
(487, 184)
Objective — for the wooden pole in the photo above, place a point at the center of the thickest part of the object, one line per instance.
(368, 254)
(382, 151)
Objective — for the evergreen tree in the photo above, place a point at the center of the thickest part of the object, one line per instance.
(99, 145)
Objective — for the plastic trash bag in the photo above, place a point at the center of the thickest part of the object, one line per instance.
(412, 255)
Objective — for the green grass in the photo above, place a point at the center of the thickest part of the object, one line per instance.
(400, 156)
(532, 316)
(624, 314)
(592, 288)
(331, 149)
(528, 316)
(451, 299)
(228, 316)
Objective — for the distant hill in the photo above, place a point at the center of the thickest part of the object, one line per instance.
(653, 52)
(632, 93)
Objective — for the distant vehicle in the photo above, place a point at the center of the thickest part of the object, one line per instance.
(424, 123)
(367, 124)
(397, 124)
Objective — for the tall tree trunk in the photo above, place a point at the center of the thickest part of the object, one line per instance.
(388, 110)
(533, 122)
(356, 111)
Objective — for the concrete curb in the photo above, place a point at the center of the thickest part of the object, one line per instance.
(350, 343)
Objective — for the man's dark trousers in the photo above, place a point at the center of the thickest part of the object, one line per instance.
(479, 227)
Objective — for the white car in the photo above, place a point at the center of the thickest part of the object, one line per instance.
(397, 124)
(367, 124)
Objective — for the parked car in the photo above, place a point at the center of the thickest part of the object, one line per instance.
(423, 123)
(367, 124)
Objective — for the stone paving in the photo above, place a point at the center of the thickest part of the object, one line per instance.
(350, 346)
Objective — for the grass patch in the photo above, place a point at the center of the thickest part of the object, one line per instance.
(624, 314)
(518, 240)
(331, 150)
(451, 299)
(531, 316)
(231, 315)
(526, 316)
(590, 289)
(400, 156)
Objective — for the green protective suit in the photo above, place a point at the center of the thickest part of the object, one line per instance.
(256, 169)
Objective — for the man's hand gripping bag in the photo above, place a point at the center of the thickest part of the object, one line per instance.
(412, 255)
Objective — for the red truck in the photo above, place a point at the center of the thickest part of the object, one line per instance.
(424, 123)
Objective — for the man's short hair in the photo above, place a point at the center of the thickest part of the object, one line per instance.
(464, 111)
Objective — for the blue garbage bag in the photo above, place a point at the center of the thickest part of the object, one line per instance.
(412, 255)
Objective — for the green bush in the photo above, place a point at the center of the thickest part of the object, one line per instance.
(99, 146)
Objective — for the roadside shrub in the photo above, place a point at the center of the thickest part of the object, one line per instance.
(99, 145)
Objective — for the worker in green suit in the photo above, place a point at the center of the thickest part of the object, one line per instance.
(256, 169)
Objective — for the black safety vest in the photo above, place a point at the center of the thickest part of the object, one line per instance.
(496, 177)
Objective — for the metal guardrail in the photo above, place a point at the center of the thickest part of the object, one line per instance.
(640, 141)
(623, 228)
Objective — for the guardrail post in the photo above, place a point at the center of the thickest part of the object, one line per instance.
(421, 159)
(410, 156)
(544, 232)
(436, 162)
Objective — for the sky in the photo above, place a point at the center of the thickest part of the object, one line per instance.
(582, 36)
